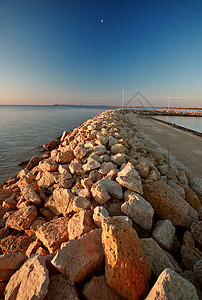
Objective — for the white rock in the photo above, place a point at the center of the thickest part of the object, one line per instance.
(138, 209)
(130, 178)
(91, 165)
(164, 233)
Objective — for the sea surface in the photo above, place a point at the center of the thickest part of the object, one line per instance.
(23, 129)
(193, 123)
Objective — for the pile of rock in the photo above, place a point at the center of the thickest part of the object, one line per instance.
(100, 217)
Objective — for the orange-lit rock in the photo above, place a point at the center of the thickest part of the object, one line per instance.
(127, 268)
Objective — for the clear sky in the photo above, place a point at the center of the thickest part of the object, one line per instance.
(59, 51)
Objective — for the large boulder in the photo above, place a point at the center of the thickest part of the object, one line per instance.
(62, 198)
(168, 204)
(129, 178)
(53, 233)
(97, 289)
(4, 194)
(118, 148)
(81, 258)
(22, 219)
(104, 189)
(192, 199)
(157, 256)
(171, 286)
(15, 244)
(9, 264)
(164, 233)
(80, 151)
(64, 157)
(60, 288)
(46, 180)
(189, 253)
(30, 281)
(30, 195)
(49, 165)
(127, 268)
(79, 224)
(138, 209)
(196, 232)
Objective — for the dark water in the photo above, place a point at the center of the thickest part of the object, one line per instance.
(24, 128)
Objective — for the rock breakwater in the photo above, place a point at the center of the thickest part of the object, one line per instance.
(101, 216)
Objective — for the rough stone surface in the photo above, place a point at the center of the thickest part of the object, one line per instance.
(33, 247)
(104, 189)
(91, 165)
(164, 233)
(80, 224)
(157, 257)
(106, 167)
(46, 180)
(15, 244)
(30, 195)
(9, 264)
(76, 168)
(177, 188)
(130, 179)
(125, 259)
(49, 165)
(80, 258)
(64, 157)
(171, 286)
(142, 168)
(100, 150)
(198, 270)
(30, 281)
(59, 288)
(99, 215)
(97, 289)
(119, 159)
(196, 232)
(62, 198)
(189, 255)
(192, 199)
(4, 194)
(167, 204)
(118, 148)
(138, 209)
(80, 151)
(22, 219)
(81, 203)
(53, 233)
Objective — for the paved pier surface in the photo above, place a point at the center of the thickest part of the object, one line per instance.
(184, 149)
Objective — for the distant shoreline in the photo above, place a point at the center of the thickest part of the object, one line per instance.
(134, 107)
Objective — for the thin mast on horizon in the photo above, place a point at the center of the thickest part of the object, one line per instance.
(122, 104)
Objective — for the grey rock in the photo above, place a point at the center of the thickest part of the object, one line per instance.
(138, 209)
(164, 233)
(172, 286)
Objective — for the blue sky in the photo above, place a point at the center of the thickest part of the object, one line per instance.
(59, 51)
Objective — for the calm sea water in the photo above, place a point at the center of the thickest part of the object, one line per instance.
(194, 123)
(24, 128)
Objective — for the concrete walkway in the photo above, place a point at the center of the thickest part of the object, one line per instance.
(184, 149)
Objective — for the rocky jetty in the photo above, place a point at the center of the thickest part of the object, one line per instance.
(100, 216)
